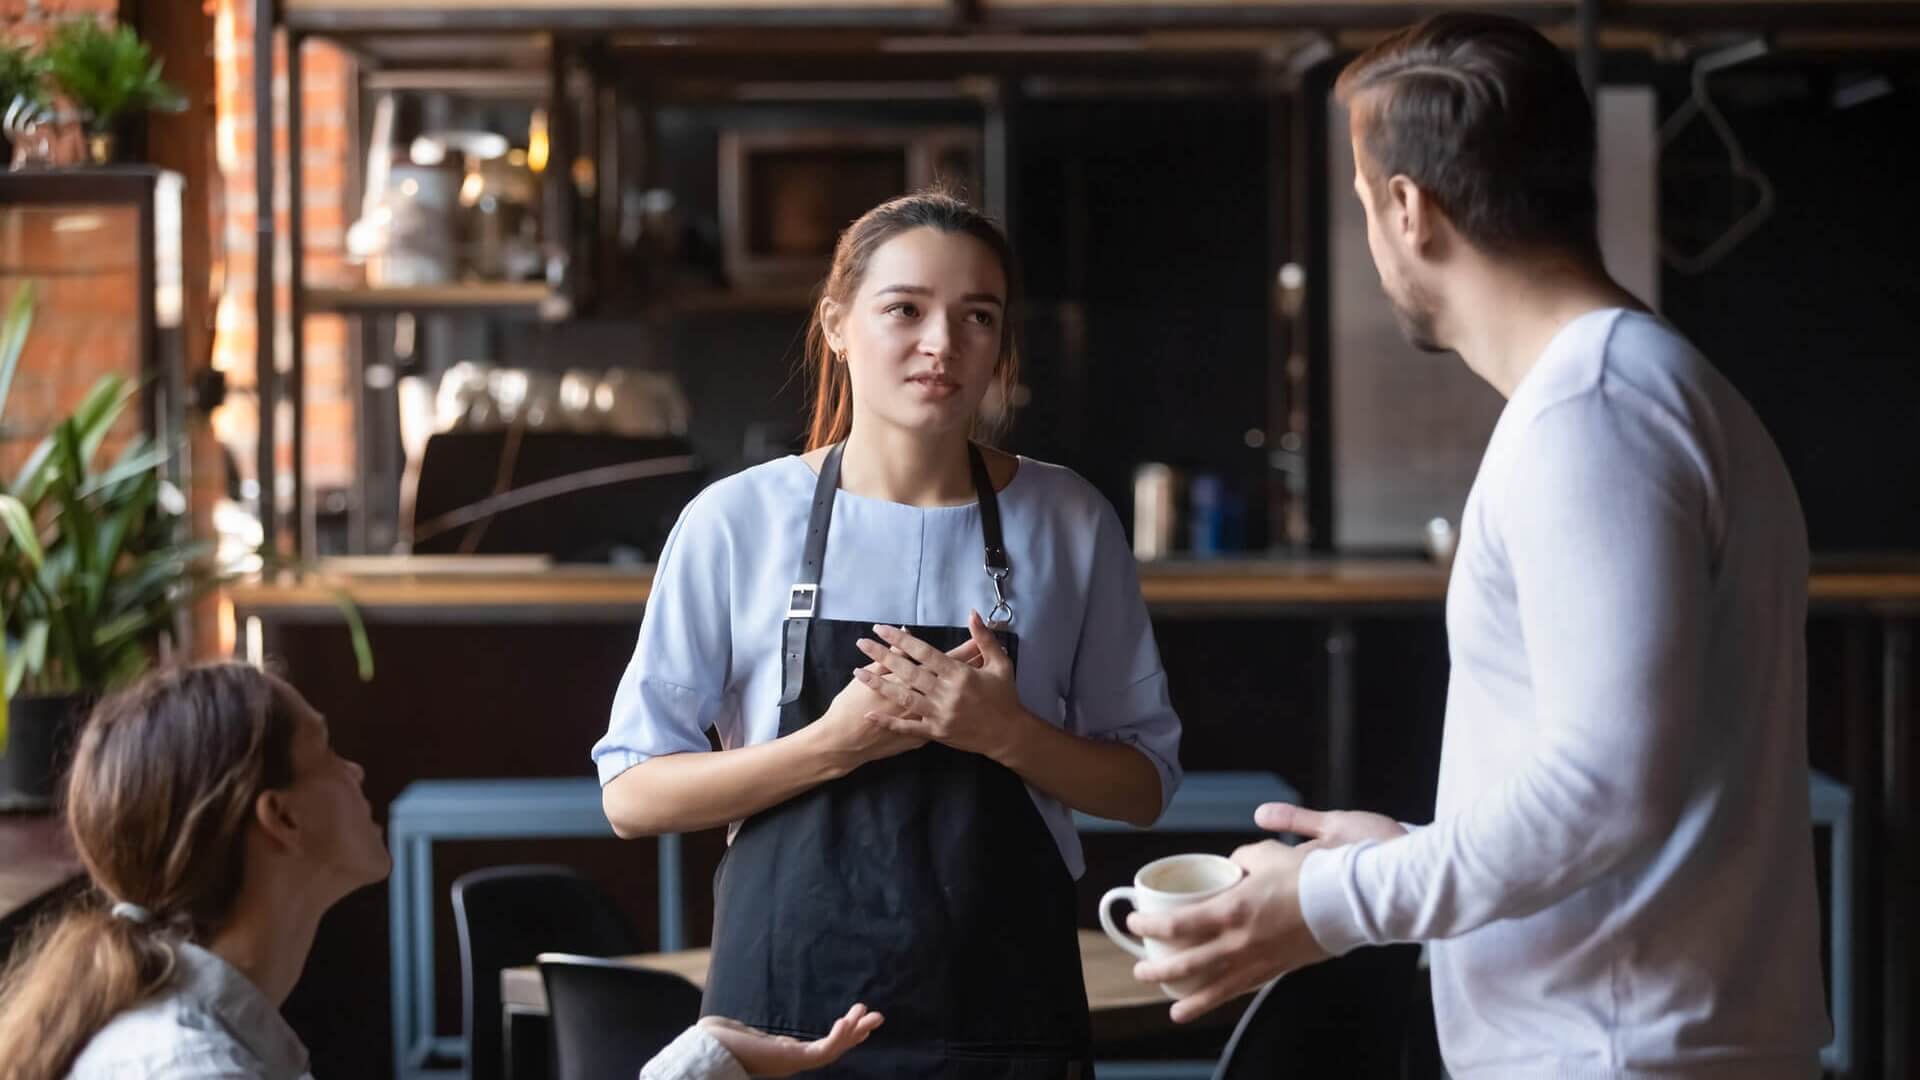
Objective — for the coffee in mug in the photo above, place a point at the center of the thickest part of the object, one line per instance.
(1162, 885)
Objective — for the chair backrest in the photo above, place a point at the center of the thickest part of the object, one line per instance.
(507, 916)
(610, 1018)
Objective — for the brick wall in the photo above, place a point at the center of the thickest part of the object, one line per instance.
(29, 20)
(80, 329)
(327, 79)
(82, 264)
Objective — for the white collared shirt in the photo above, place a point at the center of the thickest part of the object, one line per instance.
(211, 1023)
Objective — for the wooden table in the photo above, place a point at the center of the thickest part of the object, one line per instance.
(1122, 1007)
(36, 859)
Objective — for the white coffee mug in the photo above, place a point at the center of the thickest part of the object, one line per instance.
(1162, 885)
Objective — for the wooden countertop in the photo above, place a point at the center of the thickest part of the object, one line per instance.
(721, 8)
(1304, 586)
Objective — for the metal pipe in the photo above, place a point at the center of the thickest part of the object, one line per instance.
(266, 381)
(1586, 28)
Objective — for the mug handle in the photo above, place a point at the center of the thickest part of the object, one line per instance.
(1120, 937)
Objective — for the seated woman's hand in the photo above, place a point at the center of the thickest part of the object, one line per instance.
(969, 706)
(761, 1054)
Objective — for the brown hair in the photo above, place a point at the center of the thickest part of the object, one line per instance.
(933, 208)
(158, 802)
(1490, 120)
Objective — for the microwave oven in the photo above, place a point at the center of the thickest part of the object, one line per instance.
(786, 194)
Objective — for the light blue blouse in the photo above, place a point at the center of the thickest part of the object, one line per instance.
(709, 650)
(210, 1023)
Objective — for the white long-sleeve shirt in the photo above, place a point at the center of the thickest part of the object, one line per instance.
(1619, 880)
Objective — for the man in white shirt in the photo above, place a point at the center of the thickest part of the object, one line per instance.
(1618, 881)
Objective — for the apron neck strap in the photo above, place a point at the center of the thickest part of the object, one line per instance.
(989, 509)
(813, 555)
(820, 517)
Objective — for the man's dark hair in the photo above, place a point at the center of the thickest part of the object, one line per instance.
(1489, 118)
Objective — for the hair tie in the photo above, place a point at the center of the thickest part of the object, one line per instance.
(133, 913)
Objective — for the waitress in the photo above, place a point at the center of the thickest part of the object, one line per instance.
(920, 657)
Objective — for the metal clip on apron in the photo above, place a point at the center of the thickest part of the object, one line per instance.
(925, 885)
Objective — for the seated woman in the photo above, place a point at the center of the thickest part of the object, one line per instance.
(217, 825)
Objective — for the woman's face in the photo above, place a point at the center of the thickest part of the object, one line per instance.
(921, 336)
(339, 839)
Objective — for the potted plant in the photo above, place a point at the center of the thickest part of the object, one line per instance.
(106, 73)
(95, 569)
(23, 75)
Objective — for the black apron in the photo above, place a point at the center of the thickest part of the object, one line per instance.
(925, 885)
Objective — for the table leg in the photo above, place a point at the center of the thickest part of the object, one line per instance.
(1340, 644)
(419, 1034)
(399, 954)
(673, 928)
(1898, 899)
(526, 1044)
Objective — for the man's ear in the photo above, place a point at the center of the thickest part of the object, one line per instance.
(1407, 211)
(274, 816)
(1420, 222)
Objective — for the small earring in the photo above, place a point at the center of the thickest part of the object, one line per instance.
(840, 357)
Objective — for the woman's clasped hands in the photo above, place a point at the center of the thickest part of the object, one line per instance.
(972, 706)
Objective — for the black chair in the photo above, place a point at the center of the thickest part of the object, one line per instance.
(1346, 1018)
(509, 915)
(610, 1018)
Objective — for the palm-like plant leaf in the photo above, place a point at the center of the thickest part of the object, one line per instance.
(19, 525)
(13, 336)
(31, 655)
(107, 71)
(94, 565)
(91, 420)
(23, 74)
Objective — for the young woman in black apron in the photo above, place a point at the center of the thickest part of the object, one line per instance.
(920, 657)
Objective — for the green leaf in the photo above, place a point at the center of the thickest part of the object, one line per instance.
(13, 333)
(32, 654)
(97, 413)
(30, 483)
(92, 420)
(56, 573)
(16, 670)
(113, 537)
(23, 74)
(76, 519)
(126, 665)
(117, 631)
(19, 524)
(149, 577)
(126, 469)
(106, 71)
(357, 633)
